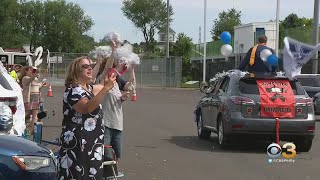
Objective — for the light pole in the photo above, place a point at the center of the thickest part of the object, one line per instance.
(168, 30)
(277, 31)
(315, 35)
(205, 42)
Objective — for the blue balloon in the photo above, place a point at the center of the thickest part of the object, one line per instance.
(225, 37)
(272, 60)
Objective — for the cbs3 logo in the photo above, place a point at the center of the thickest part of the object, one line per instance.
(288, 150)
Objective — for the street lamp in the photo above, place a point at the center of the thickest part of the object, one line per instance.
(205, 42)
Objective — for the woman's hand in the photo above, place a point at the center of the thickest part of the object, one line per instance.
(125, 96)
(109, 81)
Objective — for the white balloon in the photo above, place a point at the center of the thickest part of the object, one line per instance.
(226, 50)
(264, 54)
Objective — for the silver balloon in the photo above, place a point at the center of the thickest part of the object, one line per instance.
(264, 54)
(226, 50)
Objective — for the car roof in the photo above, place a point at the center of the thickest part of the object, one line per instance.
(307, 75)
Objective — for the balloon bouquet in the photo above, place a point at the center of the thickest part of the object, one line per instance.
(122, 53)
(226, 49)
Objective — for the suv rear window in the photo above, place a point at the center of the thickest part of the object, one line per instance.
(309, 81)
(249, 86)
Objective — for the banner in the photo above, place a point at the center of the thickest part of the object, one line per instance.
(295, 55)
(277, 99)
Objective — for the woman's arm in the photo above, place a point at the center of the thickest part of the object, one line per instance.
(131, 79)
(110, 61)
(26, 81)
(96, 68)
(85, 106)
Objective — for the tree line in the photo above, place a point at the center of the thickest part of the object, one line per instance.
(59, 26)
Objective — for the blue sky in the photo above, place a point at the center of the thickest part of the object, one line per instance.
(188, 15)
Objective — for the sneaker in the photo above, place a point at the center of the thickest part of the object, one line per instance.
(120, 174)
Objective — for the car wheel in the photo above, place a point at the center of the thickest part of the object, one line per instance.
(202, 133)
(304, 144)
(221, 134)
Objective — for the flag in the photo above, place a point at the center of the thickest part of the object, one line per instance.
(296, 54)
(277, 98)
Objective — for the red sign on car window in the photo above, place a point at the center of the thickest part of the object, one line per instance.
(277, 98)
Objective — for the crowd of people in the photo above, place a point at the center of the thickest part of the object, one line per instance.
(92, 108)
(28, 78)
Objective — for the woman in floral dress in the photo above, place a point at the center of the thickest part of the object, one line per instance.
(82, 137)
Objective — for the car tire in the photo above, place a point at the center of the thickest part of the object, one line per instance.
(202, 132)
(303, 144)
(222, 139)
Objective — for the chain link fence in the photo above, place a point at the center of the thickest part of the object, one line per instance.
(158, 72)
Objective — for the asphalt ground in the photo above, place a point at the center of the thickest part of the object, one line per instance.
(161, 143)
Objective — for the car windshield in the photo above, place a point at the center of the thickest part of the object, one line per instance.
(309, 81)
(249, 86)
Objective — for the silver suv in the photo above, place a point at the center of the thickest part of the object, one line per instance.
(232, 109)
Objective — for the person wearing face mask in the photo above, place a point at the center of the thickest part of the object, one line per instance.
(82, 136)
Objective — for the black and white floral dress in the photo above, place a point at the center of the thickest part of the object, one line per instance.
(82, 137)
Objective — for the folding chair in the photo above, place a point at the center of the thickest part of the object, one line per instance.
(110, 169)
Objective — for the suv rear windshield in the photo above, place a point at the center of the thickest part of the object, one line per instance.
(309, 81)
(249, 86)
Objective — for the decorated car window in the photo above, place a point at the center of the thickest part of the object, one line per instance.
(222, 84)
(249, 86)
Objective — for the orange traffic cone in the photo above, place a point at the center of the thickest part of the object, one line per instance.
(50, 92)
(134, 97)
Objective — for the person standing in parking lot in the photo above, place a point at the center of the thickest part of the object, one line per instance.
(253, 62)
(15, 72)
(82, 136)
(31, 93)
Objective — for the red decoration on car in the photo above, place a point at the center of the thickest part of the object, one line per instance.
(277, 98)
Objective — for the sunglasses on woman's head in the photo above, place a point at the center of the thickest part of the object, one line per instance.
(86, 66)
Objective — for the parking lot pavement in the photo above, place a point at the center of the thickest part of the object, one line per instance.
(160, 143)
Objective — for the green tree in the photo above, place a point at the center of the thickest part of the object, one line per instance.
(226, 21)
(85, 43)
(65, 26)
(147, 15)
(293, 21)
(297, 28)
(31, 22)
(183, 48)
(11, 36)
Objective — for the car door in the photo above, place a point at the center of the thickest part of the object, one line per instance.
(218, 97)
(204, 104)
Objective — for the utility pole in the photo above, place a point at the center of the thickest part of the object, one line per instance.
(199, 41)
(315, 35)
(205, 41)
(168, 29)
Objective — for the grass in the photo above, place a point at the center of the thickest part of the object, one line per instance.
(196, 85)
